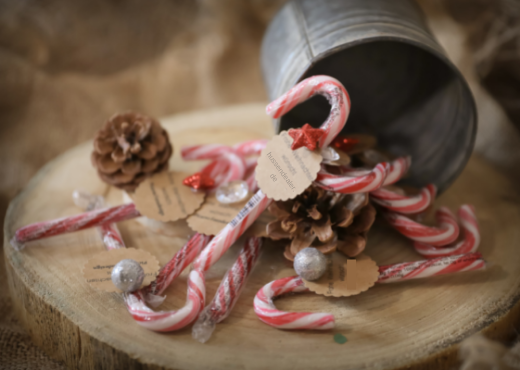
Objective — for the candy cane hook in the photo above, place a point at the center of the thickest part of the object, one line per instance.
(446, 233)
(469, 223)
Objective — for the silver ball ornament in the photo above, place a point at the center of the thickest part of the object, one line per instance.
(310, 263)
(127, 275)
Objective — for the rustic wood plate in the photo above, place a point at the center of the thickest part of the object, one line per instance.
(411, 324)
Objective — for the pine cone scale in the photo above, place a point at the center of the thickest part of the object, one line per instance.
(131, 168)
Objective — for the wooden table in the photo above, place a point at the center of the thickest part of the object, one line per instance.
(412, 324)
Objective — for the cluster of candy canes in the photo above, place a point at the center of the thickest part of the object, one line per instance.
(427, 239)
(228, 291)
(228, 163)
(372, 181)
(211, 253)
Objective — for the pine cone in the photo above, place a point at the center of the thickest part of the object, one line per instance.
(129, 148)
(322, 219)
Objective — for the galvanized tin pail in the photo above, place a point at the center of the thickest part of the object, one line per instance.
(404, 90)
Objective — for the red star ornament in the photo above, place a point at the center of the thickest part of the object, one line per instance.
(199, 181)
(306, 136)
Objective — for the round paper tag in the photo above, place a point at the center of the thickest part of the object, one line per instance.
(213, 216)
(98, 269)
(345, 276)
(163, 197)
(283, 173)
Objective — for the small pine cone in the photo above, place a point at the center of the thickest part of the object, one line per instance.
(315, 218)
(129, 148)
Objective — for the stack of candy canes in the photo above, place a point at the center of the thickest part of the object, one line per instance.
(439, 245)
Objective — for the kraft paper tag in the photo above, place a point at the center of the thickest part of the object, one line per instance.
(211, 218)
(163, 197)
(283, 173)
(98, 269)
(339, 281)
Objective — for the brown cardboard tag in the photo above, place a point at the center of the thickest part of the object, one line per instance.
(211, 218)
(98, 269)
(339, 281)
(283, 173)
(163, 197)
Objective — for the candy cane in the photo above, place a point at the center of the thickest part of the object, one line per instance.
(228, 291)
(432, 267)
(350, 185)
(207, 151)
(446, 233)
(236, 167)
(177, 264)
(328, 86)
(177, 319)
(110, 234)
(232, 231)
(402, 203)
(250, 147)
(213, 151)
(469, 223)
(169, 320)
(268, 313)
(398, 168)
(69, 224)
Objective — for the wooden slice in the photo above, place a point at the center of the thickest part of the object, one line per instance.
(414, 324)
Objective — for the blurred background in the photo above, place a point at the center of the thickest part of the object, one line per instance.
(66, 66)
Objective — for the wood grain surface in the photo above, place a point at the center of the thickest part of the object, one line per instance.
(415, 324)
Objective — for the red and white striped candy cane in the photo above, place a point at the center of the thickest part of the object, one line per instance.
(268, 313)
(328, 86)
(250, 177)
(109, 233)
(431, 267)
(206, 151)
(169, 320)
(398, 168)
(345, 184)
(40, 230)
(399, 203)
(354, 180)
(446, 233)
(177, 319)
(236, 167)
(250, 147)
(180, 260)
(213, 151)
(232, 231)
(228, 291)
(469, 223)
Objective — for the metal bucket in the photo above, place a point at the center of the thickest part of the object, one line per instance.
(404, 90)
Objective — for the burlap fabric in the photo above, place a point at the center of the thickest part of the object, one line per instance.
(66, 66)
